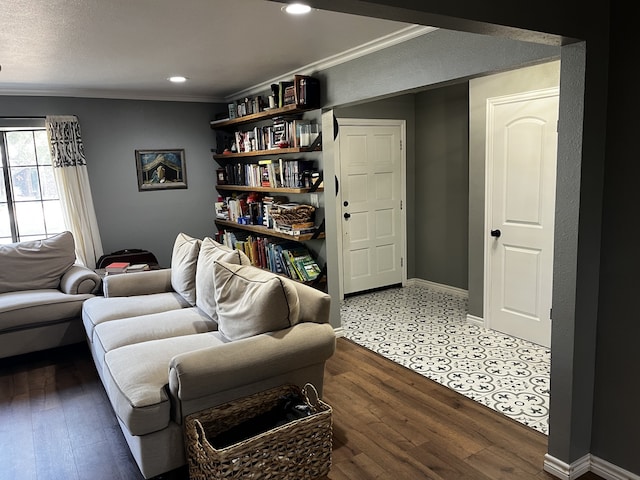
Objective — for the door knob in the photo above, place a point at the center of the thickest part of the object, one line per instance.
(347, 216)
(496, 233)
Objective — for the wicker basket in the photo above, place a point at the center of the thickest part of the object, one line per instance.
(291, 215)
(298, 450)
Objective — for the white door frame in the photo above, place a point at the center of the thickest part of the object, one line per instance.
(403, 189)
(488, 185)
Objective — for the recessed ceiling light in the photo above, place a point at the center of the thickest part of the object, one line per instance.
(178, 79)
(296, 8)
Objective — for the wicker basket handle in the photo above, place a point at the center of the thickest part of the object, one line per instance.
(316, 398)
(200, 432)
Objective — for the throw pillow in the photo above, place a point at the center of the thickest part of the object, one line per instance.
(210, 251)
(184, 259)
(36, 264)
(252, 301)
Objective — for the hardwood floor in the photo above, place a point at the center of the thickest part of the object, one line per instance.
(389, 423)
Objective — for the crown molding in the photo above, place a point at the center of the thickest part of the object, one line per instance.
(107, 94)
(381, 43)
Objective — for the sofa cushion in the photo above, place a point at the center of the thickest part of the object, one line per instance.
(100, 309)
(251, 301)
(36, 264)
(210, 251)
(136, 376)
(126, 331)
(34, 308)
(183, 266)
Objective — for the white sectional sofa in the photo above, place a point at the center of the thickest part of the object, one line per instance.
(212, 328)
(41, 294)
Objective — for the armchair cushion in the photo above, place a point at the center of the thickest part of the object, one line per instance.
(252, 301)
(36, 264)
(210, 252)
(184, 259)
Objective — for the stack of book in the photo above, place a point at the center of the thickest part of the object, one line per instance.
(125, 267)
(137, 267)
(116, 267)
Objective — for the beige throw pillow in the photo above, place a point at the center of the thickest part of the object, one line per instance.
(210, 251)
(36, 264)
(252, 301)
(183, 266)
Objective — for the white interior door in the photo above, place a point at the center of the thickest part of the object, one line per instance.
(521, 183)
(370, 198)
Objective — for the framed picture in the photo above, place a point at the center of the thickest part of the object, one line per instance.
(161, 169)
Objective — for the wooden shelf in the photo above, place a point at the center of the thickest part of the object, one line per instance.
(269, 232)
(264, 115)
(262, 153)
(241, 188)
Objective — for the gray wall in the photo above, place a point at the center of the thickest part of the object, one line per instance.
(437, 178)
(442, 179)
(112, 130)
(616, 421)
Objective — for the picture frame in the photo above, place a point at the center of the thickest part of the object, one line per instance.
(161, 169)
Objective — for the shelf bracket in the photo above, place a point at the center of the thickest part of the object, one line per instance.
(316, 142)
(316, 184)
(318, 231)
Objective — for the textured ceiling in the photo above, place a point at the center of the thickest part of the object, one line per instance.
(128, 48)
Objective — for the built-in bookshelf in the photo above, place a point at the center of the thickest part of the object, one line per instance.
(246, 145)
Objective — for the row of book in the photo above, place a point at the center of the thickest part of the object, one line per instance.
(303, 90)
(272, 173)
(285, 258)
(284, 133)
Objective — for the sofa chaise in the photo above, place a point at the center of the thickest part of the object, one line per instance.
(41, 294)
(210, 329)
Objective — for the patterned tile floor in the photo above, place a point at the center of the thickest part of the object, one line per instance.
(425, 329)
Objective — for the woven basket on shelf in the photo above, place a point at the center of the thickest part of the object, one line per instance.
(298, 450)
(292, 215)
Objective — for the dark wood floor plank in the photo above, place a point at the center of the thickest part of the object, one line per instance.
(440, 460)
(388, 423)
(16, 439)
(496, 466)
(53, 453)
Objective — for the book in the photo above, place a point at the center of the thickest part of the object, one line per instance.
(308, 267)
(117, 267)
(138, 267)
(307, 91)
(281, 89)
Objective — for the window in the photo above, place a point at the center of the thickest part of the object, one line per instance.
(30, 207)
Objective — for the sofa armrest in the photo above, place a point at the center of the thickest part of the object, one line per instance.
(138, 283)
(79, 280)
(207, 372)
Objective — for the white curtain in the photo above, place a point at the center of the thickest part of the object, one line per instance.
(72, 179)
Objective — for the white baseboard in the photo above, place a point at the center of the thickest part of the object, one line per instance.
(563, 470)
(588, 463)
(339, 331)
(609, 471)
(479, 321)
(438, 286)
